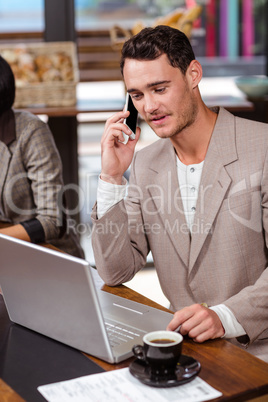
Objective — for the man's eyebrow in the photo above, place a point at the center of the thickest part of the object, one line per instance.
(150, 85)
(153, 84)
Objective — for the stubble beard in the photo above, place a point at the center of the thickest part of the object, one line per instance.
(186, 120)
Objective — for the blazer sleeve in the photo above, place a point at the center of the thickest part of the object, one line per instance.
(118, 239)
(250, 304)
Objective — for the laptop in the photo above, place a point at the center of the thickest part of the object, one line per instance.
(55, 294)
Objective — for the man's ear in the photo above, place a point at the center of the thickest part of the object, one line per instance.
(195, 73)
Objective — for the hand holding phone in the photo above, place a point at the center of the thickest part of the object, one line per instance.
(132, 119)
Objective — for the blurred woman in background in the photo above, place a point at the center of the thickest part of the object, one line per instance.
(31, 183)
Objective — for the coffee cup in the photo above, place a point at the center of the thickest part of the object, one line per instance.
(161, 350)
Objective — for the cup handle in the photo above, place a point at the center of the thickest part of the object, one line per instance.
(138, 351)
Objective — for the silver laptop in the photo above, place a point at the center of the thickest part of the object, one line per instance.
(55, 294)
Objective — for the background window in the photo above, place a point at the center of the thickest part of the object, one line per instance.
(21, 16)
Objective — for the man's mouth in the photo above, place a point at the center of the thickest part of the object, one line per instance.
(158, 119)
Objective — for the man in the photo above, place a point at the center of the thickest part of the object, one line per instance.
(197, 198)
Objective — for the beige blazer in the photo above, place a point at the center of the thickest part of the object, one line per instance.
(225, 258)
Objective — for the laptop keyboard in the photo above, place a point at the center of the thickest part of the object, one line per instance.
(119, 333)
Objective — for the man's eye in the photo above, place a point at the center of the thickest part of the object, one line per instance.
(136, 97)
(159, 90)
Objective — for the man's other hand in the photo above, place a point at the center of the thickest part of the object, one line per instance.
(198, 322)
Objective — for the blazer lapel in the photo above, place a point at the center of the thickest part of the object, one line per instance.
(215, 181)
(4, 164)
(165, 193)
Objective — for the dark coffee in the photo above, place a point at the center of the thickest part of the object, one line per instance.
(161, 351)
(162, 341)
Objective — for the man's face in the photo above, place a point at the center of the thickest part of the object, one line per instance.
(162, 95)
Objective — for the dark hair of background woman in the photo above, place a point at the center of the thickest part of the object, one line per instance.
(7, 86)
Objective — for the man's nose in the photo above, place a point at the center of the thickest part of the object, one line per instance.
(150, 104)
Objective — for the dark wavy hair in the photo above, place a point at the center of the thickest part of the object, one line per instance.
(7, 86)
(151, 43)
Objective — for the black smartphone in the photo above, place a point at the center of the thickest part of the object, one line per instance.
(132, 119)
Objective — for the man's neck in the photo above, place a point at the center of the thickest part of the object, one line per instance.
(191, 145)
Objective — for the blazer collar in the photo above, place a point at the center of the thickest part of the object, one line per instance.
(223, 138)
(7, 127)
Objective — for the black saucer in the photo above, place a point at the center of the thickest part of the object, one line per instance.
(187, 369)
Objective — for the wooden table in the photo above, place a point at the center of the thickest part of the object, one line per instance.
(234, 372)
(237, 374)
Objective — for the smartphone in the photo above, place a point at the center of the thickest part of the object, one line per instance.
(132, 119)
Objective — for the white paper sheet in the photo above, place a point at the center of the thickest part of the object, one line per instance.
(121, 386)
